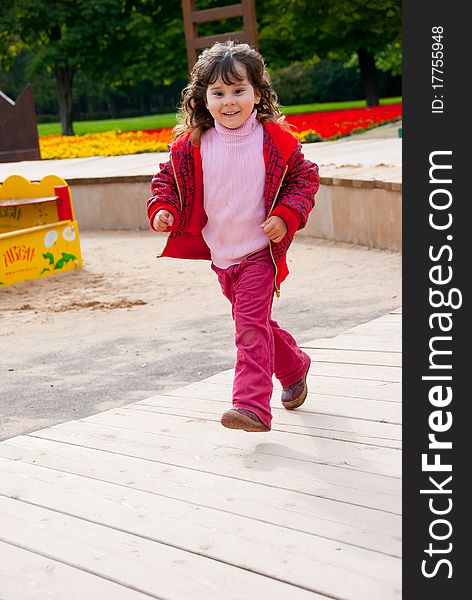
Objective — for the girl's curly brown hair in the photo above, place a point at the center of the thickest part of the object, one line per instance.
(221, 61)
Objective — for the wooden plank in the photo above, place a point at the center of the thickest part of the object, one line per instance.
(352, 408)
(382, 461)
(358, 342)
(342, 371)
(214, 415)
(169, 519)
(161, 571)
(387, 331)
(313, 507)
(375, 334)
(386, 397)
(341, 484)
(250, 21)
(26, 575)
(355, 525)
(299, 421)
(305, 424)
(190, 30)
(217, 13)
(208, 40)
(368, 389)
(355, 357)
(205, 438)
(356, 409)
(345, 371)
(325, 568)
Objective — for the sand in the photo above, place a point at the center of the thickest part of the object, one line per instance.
(128, 326)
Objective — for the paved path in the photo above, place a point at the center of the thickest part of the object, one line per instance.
(356, 157)
(156, 500)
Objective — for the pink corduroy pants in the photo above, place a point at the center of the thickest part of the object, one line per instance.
(264, 349)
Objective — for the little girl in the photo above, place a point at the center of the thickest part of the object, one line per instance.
(235, 190)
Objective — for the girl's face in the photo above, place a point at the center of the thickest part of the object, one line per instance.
(231, 104)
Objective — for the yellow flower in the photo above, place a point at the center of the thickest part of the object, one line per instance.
(109, 143)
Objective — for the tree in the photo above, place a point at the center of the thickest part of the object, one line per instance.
(293, 30)
(111, 41)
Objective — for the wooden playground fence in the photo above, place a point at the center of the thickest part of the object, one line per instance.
(18, 128)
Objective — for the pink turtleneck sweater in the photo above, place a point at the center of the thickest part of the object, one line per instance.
(233, 184)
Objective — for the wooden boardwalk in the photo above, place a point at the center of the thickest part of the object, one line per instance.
(157, 500)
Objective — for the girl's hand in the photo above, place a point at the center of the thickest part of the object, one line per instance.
(163, 220)
(274, 228)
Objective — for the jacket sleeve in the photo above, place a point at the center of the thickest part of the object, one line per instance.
(297, 195)
(165, 195)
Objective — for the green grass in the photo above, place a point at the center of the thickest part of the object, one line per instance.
(168, 119)
(307, 108)
(135, 123)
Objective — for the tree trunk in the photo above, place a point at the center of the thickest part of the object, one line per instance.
(64, 77)
(369, 76)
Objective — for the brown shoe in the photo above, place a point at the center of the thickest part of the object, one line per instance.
(294, 395)
(240, 418)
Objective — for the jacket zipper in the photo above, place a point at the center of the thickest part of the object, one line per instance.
(177, 182)
(277, 290)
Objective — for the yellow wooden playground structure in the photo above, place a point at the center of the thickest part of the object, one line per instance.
(39, 235)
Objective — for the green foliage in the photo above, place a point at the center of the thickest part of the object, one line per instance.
(298, 30)
(324, 81)
(122, 41)
(9, 43)
(390, 58)
(306, 30)
(129, 55)
(113, 44)
(13, 80)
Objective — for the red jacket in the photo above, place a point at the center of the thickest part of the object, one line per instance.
(291, 183)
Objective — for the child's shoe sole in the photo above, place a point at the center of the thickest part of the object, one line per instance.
(240, 418)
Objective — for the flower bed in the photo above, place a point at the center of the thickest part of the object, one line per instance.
(308, 127)
(333, 124)
(109, 143)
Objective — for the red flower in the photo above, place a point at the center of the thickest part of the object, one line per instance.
(337, 123)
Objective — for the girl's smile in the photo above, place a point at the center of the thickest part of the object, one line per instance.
(231, 104)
